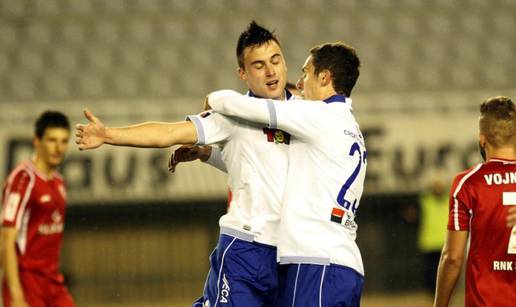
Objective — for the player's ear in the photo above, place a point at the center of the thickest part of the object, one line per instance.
(325, 77)
(35, 142)
(241, 74)
(482, 139)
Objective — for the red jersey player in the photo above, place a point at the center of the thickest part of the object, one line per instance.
(479, 202)
(33, 211)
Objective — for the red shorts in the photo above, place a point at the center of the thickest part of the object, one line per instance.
(40, 291)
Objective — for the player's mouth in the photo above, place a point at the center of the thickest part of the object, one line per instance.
(273, 84)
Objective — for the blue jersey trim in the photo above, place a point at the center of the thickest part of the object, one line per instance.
(273, 121)
(201, 138)
(335, 98)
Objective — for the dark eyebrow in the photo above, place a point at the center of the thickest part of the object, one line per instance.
(275, 55)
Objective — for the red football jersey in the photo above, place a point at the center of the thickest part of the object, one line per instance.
(479, 201)
(35, 205)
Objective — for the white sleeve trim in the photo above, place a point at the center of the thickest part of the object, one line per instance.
(201, 137)
(26, 197)
(273, 120)
(456, 192)
(215, 159)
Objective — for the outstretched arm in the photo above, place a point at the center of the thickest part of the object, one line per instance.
(298, 118)
(148, 134)
(450, 266)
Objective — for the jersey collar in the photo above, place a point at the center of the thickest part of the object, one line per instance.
(30, 164)
(502, 160)
(336, 98)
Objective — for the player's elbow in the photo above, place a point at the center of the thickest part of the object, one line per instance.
(452, 259)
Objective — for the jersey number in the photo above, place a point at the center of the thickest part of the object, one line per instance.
(341, 200)
(509, 199)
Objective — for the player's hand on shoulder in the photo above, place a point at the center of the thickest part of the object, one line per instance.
(187, 153)
(91, 135)
(511, 217)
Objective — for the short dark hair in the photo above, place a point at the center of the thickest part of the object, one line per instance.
(342, 62)
(498, 120)
(254, 36)
(50, 119)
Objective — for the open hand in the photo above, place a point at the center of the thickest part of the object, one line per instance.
(92, 135)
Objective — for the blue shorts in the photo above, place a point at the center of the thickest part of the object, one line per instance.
(314, 285)
(242, 273)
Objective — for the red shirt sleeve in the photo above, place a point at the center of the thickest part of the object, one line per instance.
(460, 205)
(16, 196)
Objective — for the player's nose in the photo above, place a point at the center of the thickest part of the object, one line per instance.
(300, 84)
(269, 70)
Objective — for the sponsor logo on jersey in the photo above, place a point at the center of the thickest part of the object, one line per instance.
(344, 218)
(224, 293)
(336, 215)
(277, 136)
(45, 198)
(56, 226)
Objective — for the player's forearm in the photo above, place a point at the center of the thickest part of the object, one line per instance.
(234, 104)
(11, 270)
(152, 135)
(447, 277)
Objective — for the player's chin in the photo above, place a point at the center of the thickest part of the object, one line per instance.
(56, 161)
(275, 92)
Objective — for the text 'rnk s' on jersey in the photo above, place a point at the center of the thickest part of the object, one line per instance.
(256, 159)
(327, 162)
(479, 201)
(35, 205)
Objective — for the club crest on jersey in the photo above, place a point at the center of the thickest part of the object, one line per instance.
(277, 136)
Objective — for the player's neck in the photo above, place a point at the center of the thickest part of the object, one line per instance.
(327, 93)
(42, 166)
(505, 153)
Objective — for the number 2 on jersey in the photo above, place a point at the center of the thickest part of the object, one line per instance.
(341, 197)
(509, 199)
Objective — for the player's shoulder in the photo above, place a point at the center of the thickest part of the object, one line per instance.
(22, 171)
(58, 177)
(209, 115)
(466, 176)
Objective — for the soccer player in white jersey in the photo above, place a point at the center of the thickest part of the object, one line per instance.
(321, 263)
(244, 264)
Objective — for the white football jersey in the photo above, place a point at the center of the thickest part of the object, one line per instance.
(327, 163)
(256, 160)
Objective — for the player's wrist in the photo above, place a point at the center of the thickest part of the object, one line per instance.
(204, 153)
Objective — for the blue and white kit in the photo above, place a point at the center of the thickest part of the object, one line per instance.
(244, 264)
(327, 162)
